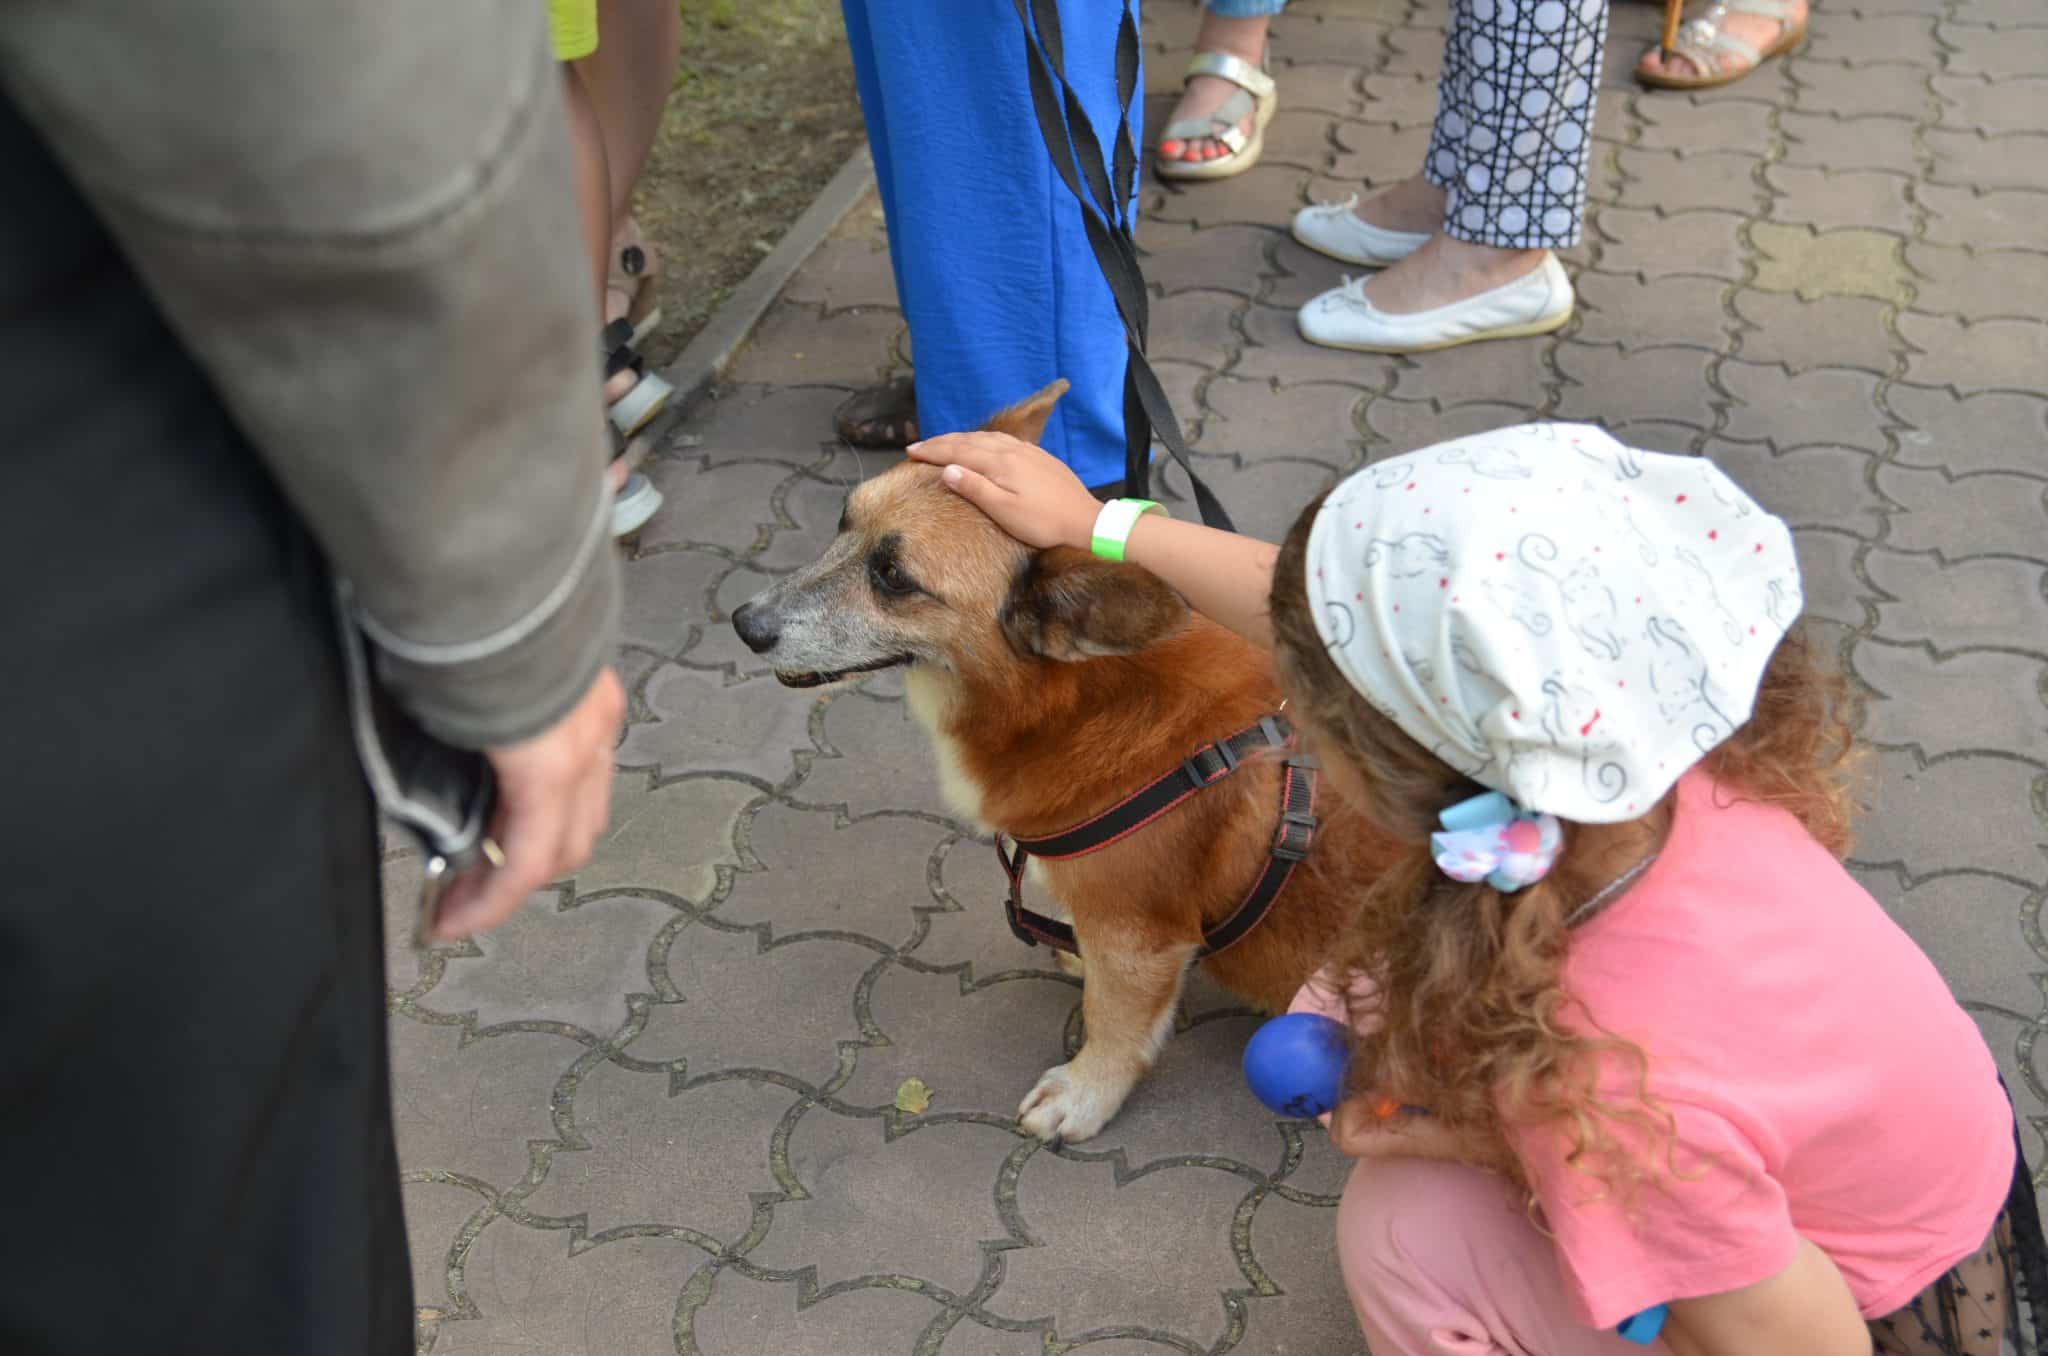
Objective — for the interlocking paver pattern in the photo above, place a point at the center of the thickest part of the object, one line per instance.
(655, 1113)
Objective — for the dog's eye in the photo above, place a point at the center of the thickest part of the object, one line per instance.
(891, 578)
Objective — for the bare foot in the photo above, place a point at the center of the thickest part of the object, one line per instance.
(1445, 271)
(1758, 30)
(1414, 205)
(1204, 94)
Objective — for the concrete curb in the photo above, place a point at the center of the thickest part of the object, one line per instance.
(703, 361)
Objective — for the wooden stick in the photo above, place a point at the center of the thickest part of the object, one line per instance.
(1674, 10)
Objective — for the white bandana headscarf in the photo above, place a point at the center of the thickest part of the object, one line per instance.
(1557, 616)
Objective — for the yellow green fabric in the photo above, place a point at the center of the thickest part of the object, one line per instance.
(572, 25)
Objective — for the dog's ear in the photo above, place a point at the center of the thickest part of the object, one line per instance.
(1026, 419)
(1066, 604)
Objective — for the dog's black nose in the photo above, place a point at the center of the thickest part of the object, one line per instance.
(758, 626)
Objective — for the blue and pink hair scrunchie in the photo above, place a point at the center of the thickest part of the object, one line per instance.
(1491, 838)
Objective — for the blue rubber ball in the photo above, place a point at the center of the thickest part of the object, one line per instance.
(1295, 1064)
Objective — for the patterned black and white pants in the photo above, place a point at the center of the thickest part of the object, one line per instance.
(1514, 120)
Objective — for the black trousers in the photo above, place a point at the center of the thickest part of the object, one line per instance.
(195, 1131)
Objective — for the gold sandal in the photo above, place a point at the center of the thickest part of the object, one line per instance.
(1256, 94)
(1702, 43)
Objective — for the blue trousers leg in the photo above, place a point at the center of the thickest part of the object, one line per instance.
(993, 270)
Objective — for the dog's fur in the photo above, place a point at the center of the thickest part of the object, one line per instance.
(1053, 684)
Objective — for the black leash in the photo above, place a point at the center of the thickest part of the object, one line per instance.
(1108, 215)
(1202, 769)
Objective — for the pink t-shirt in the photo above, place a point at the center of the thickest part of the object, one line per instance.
(1824, 1082)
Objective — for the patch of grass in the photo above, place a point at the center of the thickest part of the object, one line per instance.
(762, 114)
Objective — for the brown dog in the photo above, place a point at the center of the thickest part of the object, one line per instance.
(1054, 684)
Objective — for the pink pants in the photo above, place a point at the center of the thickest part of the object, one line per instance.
(1442, 1260)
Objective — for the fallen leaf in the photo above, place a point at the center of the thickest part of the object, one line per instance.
(913, 1097)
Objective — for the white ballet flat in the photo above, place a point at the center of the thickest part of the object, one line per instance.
(1332, 228)
(1536, 303)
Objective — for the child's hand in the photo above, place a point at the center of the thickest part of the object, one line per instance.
(1027, 491)
(1359, 1131)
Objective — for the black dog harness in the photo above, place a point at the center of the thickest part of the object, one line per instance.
(1201, 770)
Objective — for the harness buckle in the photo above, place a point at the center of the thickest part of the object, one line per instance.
(1192, 765)
(1297, 832)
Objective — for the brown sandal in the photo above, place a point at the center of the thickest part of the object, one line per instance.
(879, 418)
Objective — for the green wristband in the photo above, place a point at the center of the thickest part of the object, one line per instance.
(1114, 523)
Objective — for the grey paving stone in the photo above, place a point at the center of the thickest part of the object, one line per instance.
(671, 837)
(1685, 124)
(1835, 592)
(1874, 199)
(1695, 181)
(744, 1317)
(1218, 256)
(1404, 425)
(1968, 158)
(1847, 92)
(1985, 355)
(1993, 107)
(1961, 814)
(1371, 156)
(706, 725)
(1985, 602)
(1499, 373)
(1824, 139)
(1871, 42)
(658, 1156)
(1812, 264)
(1610, 384)
(884, 761)
(1275, 349)
(800, 346)
(1835, 331)
(722, 505)
(1643, 240)
(1994, 431)
(1824, 487)
(1820, 406)
(1995, 219)
(1195, 327)
(1254, 420)
(1085, 1222)
(1944, 914)
(1637, 312)
(1997, 53)
(876, 888)
(1993, 284)
(869, 1201)
(533, 1298)
(784, 1006)
(1985, 514)
(478, 1105)
(1295, 1247)
(572, 963)
(752, 422)
(668, 592)
(1983, 699)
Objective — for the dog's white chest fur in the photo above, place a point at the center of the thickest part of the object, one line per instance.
(930, 698)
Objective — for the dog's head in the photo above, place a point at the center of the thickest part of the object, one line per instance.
(917, 575)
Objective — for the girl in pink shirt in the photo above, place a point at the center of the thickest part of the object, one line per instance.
(1672, 1054)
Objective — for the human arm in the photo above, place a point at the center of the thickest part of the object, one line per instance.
(1031, 495)
(360, 221)
(1804, 1310)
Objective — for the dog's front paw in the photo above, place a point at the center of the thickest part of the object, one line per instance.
(1070, 1104)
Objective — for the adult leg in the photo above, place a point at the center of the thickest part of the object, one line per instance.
(1510, 154)
(999, 286)
(191, 966)
(1236, 28)
(1441, 1259)
(629, 77)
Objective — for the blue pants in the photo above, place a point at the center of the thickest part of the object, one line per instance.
(994, 274)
